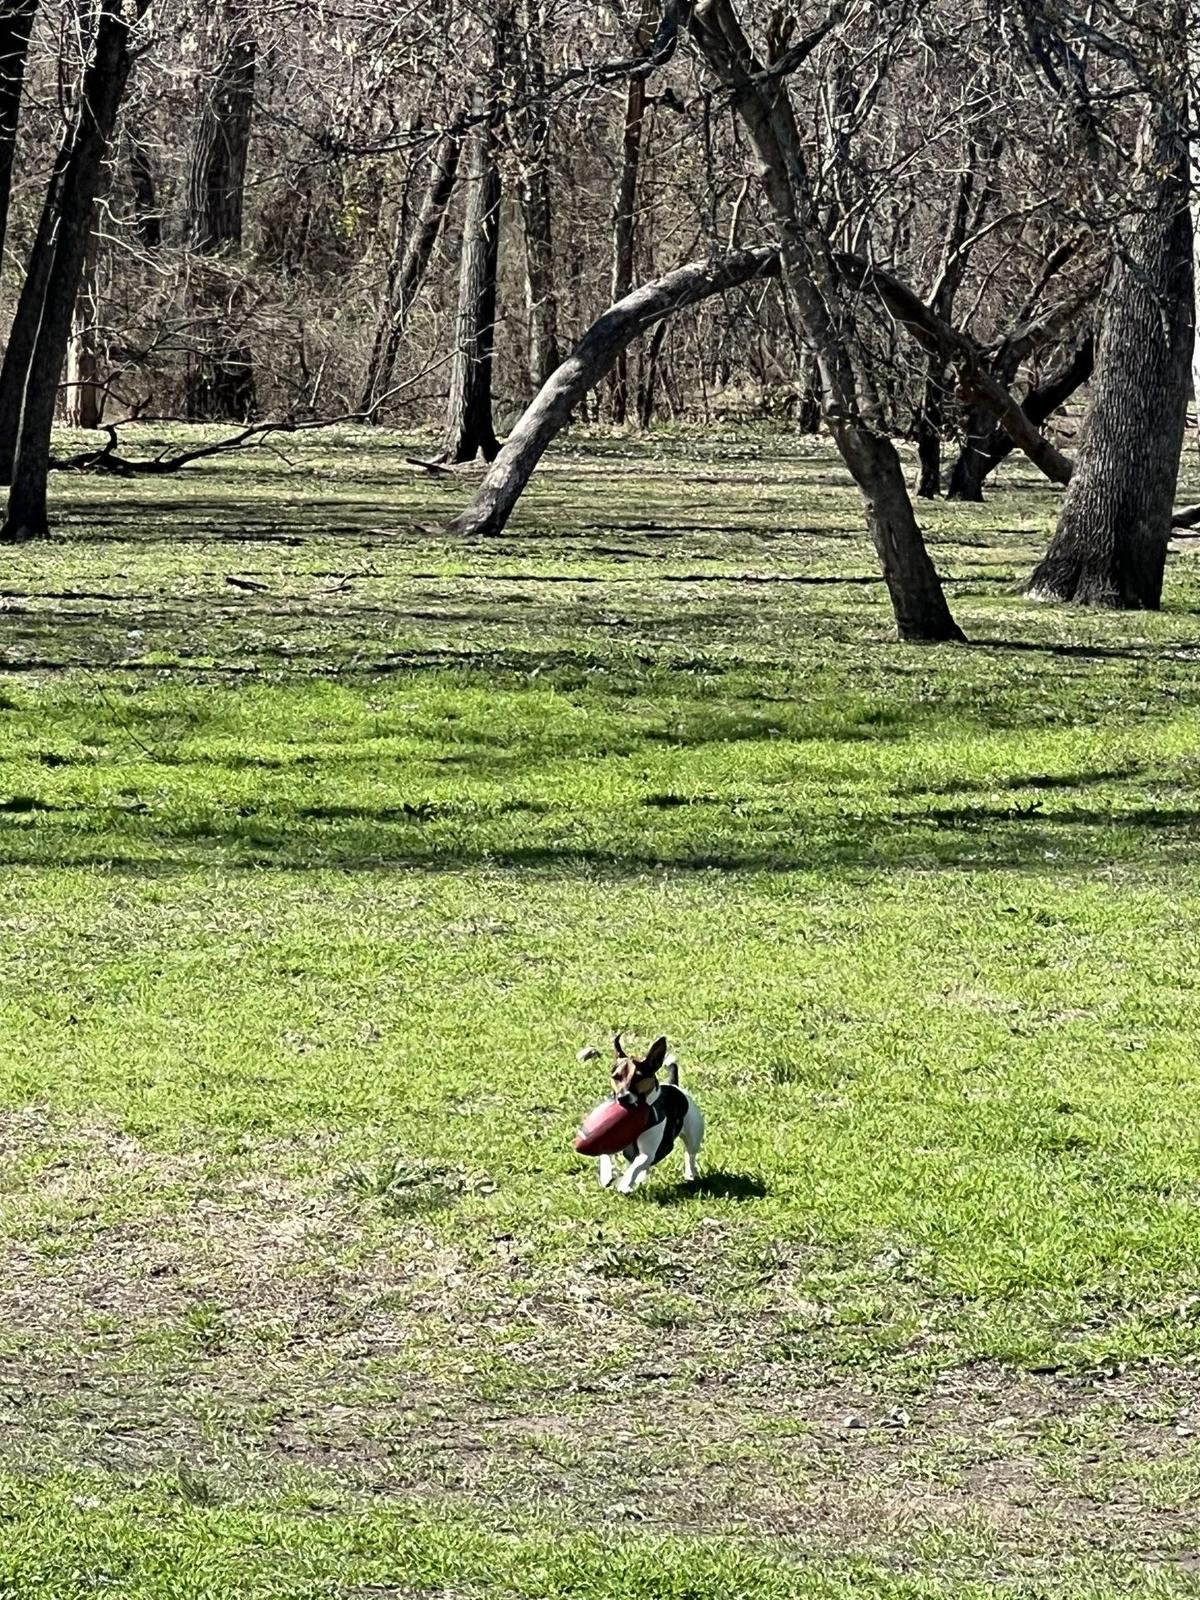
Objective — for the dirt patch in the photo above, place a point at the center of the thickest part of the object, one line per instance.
(164, 1309)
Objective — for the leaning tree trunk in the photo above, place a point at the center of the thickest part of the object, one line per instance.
(823, 317)
(220, 377)
(590, 361)
(410, 262)
(531, 141)
(987, 444)
(1110, 548)
(85, 392)
(73, 190)
(469, 428)
(16, 25)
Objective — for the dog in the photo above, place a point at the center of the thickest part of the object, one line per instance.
(674, 1114)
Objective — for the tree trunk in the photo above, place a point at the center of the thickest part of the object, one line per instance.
(16, 25)
(469, 428)
(930, 421)
(85, 392)
(531, 141)
(73, 190)
(1110, 547)
(220, 378)
(410, 262)
(22, 335)
(987, 444)
(592, 358)
(147, 217)
(649, 381)
(625, 215)
(596, 353)
(824, 318)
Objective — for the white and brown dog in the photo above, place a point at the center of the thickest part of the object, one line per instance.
(674, 1115)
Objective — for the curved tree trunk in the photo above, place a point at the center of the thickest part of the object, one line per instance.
(220, 379)
(469, 428)
(73, 191)
(1110, 547)
(410, 263)
(16, 25)
(592, 358)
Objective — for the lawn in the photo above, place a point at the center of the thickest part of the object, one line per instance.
(329, 840)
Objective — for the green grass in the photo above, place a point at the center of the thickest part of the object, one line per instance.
(312, 890)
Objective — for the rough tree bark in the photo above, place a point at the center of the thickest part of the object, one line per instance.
(16, 25)
(411, 257)
(220, 378)
(1110, 547)
(823, 316)
(71, 199)
(592, 358)
(530, 128)
(469, 428)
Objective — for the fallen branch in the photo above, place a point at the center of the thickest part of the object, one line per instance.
(106, 458)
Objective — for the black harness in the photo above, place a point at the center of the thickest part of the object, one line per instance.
(669, 1108)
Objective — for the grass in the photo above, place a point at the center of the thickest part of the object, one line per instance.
(315, 882)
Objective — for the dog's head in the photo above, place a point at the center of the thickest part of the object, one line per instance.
(636, 1077)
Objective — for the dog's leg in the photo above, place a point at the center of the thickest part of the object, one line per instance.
(648, 1145)
(607, 1171)
(692, 1134)
(635, 1173)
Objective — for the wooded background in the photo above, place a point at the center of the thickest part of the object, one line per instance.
(929, 220)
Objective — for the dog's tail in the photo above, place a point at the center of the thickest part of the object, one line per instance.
(671, 1068)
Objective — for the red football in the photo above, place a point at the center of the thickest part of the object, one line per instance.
(610, 1127)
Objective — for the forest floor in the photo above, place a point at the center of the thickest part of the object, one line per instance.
(327, 843)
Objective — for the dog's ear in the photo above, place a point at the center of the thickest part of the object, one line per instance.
(618, 1047)
(655, 1055)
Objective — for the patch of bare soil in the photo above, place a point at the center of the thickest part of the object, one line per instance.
(158, 1310)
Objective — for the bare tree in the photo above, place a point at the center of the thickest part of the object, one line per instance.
(824, 314)
(1110, 546)
(529, 125)
(469, 428)
(220, 382)
(57, 262)
(410, 261)
(16, 25)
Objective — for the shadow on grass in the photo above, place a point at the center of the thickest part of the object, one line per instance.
(712, 1186)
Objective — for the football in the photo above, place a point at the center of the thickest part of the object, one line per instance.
(610, 1127)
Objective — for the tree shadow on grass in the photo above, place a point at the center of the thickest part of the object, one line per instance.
(712, 1186)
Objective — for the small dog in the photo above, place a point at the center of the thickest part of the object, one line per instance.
(674, 1114)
